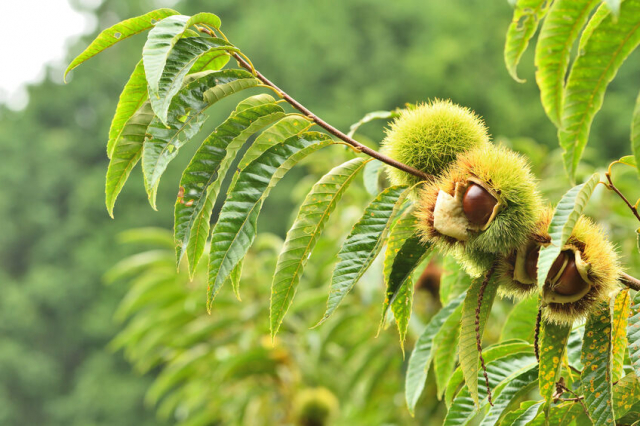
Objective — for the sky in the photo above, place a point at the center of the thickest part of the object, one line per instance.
(27, 45)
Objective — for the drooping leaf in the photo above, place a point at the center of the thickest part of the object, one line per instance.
(526, 17)
(633, 334)
(133, 96)
(119, 32)
(237, 225)
(500, 373)
(161, 40)
(626, 393)
(603, 49)
(499, 350)
(185, 119)
(635, 132)
(574, 347)
(363, 244)
(564, 219)
(515, 389)
(558, 33)
(628, 160)
(374, 115)
(468, 349)
(454, 279)
(596, 375)
(620, 308)
(562, 414)
(371, 176)
(521, 321)
(401, 308)
(127, 150)
(553, 342)
(422, 354)
(446, 347)
(183, 56)
(305, 231)
(523, 415)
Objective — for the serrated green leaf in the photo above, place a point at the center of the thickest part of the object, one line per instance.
(620, 307)
(161, 40)
(468, 351)
(521, 321)
(127, 150)
(633, 333)
(369, 117)
(523, 415)
(446, 347)
(513, 391)
(185, 119)
(183, 56)
(564, 219)
(422, 354)
(202, 179)
(604, 48)
(562, 414)
(500, 373)
(305, 231)
(626, 393)
(526, 17)
(596, 375)
(363, 244)
(237, 225)
(371, 177)
(133, 96)
(401, 308)
(635, 132)
(553, 343)
(119, 32)
(453, 281)
(489, 354)
(574, 347)
(558, 34)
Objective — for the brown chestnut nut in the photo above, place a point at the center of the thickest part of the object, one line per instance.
(570, 282)
(531, 263)
(558, 263)
(478, 204)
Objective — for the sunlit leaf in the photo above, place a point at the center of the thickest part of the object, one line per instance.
(401, 308)
(553, 342)
(375, 115)
(558, 33)
(635, 132)
(237, 225)
(633, 333)
(564, 219)
(523, 415)
(513, 391)
(626, 393)
(363, 244)
(304, 233)
(446, 348)
(620, 309)
(521, 321)
(454, 280)
(422, 354)
(161, 40)
(119, 32)
(185, 119)
(562, 414)
(468, 349)
(202, 179)
(614, 6)
(596, 375)
(526, 17)
(127, 150)
(371, 177)
(603, 49)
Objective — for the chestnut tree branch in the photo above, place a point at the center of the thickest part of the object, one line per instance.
(612, 187)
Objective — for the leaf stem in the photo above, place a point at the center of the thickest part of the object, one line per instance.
(612, 187)
(629, 281)
(536, 337)
(320, 122)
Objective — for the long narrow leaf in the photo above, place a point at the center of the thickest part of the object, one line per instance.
(633, 334)
(446, 350)
(523, 415)
(237, 225)
(422, 354)
(620, 308)
(185, 119)
(363, 245)
(516, 388)
(127, 150)
(521, 321)
(202, 179)
(526, 17)
(305, 231)
(553, 343)
(119, 32)
(564, 219)
(603, 50)
(635, 132)
(558, 34)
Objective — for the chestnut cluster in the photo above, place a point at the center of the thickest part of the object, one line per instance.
(483, 207)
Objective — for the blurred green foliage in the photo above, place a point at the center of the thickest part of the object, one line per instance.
(341, 59)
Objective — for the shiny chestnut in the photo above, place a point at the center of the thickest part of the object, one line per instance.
(531, 263)
(570, 282)
(478, 204)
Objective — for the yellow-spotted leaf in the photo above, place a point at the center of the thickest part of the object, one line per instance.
(633, 333)
(553, 343)
(620, 308)
(304, 233)
(635, 132)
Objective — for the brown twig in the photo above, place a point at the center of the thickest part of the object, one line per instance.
(320, 122)
(483, 286)
(629, 281)
(536, 336)
(612, 187)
